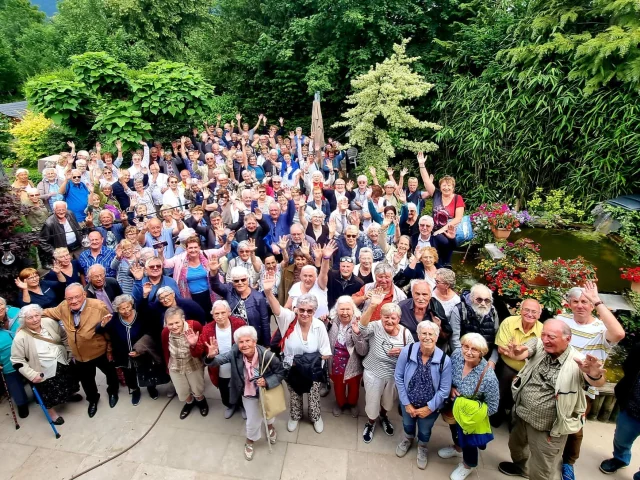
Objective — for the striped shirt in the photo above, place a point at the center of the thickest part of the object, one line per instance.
(378, 361)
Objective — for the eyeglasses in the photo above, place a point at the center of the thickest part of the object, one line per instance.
(426, 334)
(277, 181)
(239, 280)
(529, 311)
(33, 277)
(482, 300)
(154, 267)
(422, 225)
(306, 310)
(165, 297)
(471, 349)
(350, 235)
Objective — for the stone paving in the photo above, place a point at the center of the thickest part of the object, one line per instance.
(211, 448)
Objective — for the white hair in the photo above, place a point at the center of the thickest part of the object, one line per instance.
(95, 267)
(362, 177)
(574, 293)
(219, 303)
(423, 325)
(245, 331)
(28, 310)
(480, 288)
(59, 203)
(311, 268)
(236, 272)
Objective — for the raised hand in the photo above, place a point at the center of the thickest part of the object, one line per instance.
(287, 192)
(56, 267)
(20, 284)
(71, 145)
(212, 347)
(192, 337)
(98, 147)
(219, 117)
(281, 121)
(305, 247)
(258, 213)
(231, 236)
(136, 271)
(329, 249)
(106, 319)
(402, 196)
(377, 297)
(421, 158)
(390, 171)
(282, 242)
(214, 266)
(119, 145)
(350, 185)
(404, 171)
(118, 251)
(251, 244)
(354, 218)
(591, 366)
(590, 291)
(372, 171)
(317, 251)
(332, 227)
(238, 118)
(146, 289)
(268, 282)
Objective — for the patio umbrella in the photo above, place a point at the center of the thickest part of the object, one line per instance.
(317, 128)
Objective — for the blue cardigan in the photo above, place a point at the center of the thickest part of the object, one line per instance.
(406, 368)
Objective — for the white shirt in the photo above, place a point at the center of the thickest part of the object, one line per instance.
(317, 337)
(223, 336)
(69, 234)
(447, 304)
(321, 295)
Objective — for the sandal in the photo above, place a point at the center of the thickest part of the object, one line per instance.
(273, 436)
(248, 451)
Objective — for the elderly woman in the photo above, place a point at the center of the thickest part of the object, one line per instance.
(35, 291)
(305, 345)
(345, 367)
(423, 380)
(445, 283)
(39, 353)
(246, 259)
(191, 270)
(21, 183)
(426, 268)
(221, 329)
(385, 340)
(246, 303)
(383, 274)
(8, 327)
(186, 371)
(317, 204)
(373, 241)
(49, 187)
(291, 273)
(398, 255)
(251, 367)
(471, 378)
(65, 269)
(126, 330)
(448, 207)
(365, 266)
(389, 198)
(315, 227)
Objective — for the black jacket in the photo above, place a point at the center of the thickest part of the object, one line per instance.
(52, 234)
(631, 369)
(435, 308)
(111, 287)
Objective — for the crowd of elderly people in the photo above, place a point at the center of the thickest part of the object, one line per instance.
(247, 259)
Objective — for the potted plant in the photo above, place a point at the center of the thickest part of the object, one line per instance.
(568, 273)
(633, 275)
(503, 220)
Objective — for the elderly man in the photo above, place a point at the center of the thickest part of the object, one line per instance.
(517, 330)
(422, 306)
(383, 273)
(255, 228)
(112, 232)
(341, 281)
(76, 194)
(156, 236)
(245, 302)
(61, 230)
(444, 243)
(97, 253)
(476, 314)
(101, 287)
(312, 283)
(80, 316)
(49, 187)
(280, 221)
(167, 298)
(593, 335)
(549, 401)
(349, 245)
(37, 212)
(294, 243)
(153, 274)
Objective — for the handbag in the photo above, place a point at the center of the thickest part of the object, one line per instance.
(272, 399)
(447, 408)
(464, 231)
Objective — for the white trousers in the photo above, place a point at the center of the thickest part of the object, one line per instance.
(379, 392)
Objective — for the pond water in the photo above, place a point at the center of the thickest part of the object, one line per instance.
(599, 250)
(603, 253)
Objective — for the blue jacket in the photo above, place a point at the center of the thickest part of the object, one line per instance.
(255, 305)
(345, 250)
(165, 281)
(282, 227)
(6, 339)
(406, 368)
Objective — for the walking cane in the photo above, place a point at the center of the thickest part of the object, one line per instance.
(13, 412)
(46, 414)
(266, 423)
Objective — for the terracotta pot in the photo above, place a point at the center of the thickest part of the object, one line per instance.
(537, 281)
(501, 233)
(635, 287)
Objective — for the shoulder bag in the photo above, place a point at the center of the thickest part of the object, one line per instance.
(273, 401)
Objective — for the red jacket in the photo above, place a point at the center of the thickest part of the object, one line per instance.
(208, 331)
(195, 326)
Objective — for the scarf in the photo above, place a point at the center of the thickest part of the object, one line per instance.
(250, 371)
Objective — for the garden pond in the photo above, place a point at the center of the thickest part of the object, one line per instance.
(598, 249)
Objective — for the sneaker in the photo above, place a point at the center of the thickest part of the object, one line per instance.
(153, 392)
(171, 391)
(318, 425)
(511, 469)
(567, 472)
(355, 411)
(386, 425)
(422, 457)
(135, 397)
(325, 388)
(292, 425)
(404, 446)
(337, 411)
(449, 452)
(367, 433)
(228, 412)
(461, 472)
(612, 466)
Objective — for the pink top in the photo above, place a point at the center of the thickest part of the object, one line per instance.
(250, 371)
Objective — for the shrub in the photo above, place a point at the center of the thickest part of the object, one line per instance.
(35, 137)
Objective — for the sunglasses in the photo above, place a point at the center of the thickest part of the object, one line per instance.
(351, 236)
(239, 280)
(76, 177)
(306, 310)
(482, 300)
(155, 267)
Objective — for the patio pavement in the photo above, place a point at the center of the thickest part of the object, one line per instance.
(211, 448)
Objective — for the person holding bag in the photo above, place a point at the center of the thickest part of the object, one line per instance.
(256, 376)
(475, 387)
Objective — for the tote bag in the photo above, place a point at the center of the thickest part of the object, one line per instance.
(272, 399)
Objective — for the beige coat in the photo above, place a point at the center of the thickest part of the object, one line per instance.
(24, 351)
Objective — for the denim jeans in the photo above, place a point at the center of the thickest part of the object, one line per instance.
(469, 454)
(627, 430)
(424, 425)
